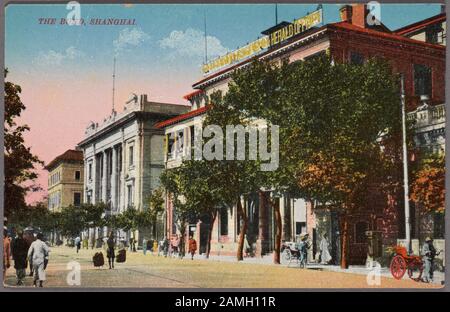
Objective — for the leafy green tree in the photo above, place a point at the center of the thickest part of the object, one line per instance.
(156, 208)
(331, 129)
(19, 161)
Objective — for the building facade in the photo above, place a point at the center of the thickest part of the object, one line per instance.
(123, 157)
(65, 180)
(351, 40)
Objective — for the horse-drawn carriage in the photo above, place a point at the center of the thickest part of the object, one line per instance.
(402, 263)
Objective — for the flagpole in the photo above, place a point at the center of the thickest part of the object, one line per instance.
(405, 169)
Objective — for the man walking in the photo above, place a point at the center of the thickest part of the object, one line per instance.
(429, 253)
(192, 247)
(110, 251)
(38, 253)
(6, 253)
(19, 250)
(78, 243)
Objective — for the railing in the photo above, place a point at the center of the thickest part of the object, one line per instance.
(429, 115)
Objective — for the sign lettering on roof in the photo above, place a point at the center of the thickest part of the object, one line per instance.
(253, 48)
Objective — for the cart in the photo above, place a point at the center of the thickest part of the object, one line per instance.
(402, 263)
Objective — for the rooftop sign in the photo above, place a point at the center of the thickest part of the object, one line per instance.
(277, 36)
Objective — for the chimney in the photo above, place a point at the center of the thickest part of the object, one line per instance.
(346, 13)
(359, 13)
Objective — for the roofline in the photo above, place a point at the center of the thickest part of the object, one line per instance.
(186, 116)
(123, 120)
(384, 35)
(420, 24)
(56, 161)
(371, 32)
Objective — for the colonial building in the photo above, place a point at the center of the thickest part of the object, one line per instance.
(350, 40)
(123, 156)
(65, 180)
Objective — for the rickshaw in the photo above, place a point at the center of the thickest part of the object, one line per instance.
(402, 263)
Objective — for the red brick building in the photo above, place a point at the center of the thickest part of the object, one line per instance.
(349, 40)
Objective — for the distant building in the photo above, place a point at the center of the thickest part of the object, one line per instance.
(65, 180)
(123, 156)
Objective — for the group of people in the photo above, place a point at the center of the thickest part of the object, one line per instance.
(172, 248)
(304, 244)
(22, 252)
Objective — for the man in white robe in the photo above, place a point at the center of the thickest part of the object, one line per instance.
(325, 256)
(38, 254)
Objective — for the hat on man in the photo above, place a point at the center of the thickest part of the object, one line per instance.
(428, 239)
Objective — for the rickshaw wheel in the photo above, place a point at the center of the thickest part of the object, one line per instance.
(398, 267)
(287, 254)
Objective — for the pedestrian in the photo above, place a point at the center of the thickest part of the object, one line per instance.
(429, 253)
(192, 247)
(39, 253)
(155, 247)
(303, 247)
(175, 244)
(78, 243)
(19, 250)
(85, 243)
(144, 246)
(110, 251)
(165, 246)
(325, 256)
(6, 252)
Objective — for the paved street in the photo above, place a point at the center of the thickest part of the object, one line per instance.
(159, 272)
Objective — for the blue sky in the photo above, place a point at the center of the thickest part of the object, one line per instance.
(65, 71)
(232, 25)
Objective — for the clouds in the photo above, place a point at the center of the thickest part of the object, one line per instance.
(129, 38)
(56, 58)
(191, 43)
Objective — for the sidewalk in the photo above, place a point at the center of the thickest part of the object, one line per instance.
(439, 277)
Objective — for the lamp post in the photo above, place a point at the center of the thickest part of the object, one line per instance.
(405, 168)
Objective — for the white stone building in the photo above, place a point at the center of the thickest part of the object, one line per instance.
(123, 156)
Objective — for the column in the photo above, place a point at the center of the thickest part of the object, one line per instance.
(114, 179)
(105, 173)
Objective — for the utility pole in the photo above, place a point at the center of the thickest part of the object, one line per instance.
(114, 84)
(276, 13)
(206, 37)
(405, 168)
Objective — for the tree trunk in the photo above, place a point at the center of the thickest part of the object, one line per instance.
(210, 229)
(243, 231)
(287, 232)
(345, 243)
(182, 246)
(277, 249)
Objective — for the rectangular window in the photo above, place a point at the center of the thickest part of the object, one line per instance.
(90, 171)
(131, 156)
(422, 80)
(356, 58)
(170, 146)
(77, 175)
(223, 221)
(76, 199)
(192, 131)
(130, 195)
